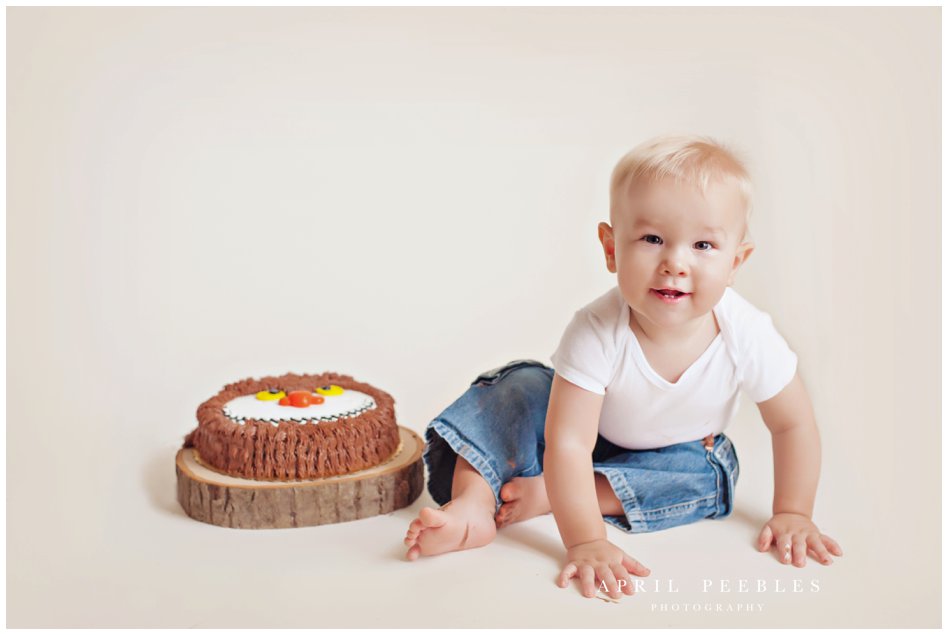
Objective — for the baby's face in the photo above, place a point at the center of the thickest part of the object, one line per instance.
(669, 237)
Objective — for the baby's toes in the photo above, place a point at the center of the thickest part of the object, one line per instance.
(508, 492)
(413, 529)
(430, 517)
(502, 517)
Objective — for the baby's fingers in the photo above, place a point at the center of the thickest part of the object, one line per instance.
(587, 578)
(605, 575)
(816, 549)
(622, 578)
(799, 551)
(784, 544)
(832, 545)
(766, 537)
(569, 571)
(819, 553)
(634, 567)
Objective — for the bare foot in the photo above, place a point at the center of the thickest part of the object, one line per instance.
(459, 524)
(524, 497)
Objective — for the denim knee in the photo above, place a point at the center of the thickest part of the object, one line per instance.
(496, 425)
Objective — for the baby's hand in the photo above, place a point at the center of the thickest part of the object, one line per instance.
(797, 535)
(603, 561)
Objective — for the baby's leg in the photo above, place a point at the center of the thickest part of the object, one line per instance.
(465, 522)
(525, 497)
(497, 426)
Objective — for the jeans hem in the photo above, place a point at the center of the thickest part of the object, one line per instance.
(634, 520)
(461, 447)
(637, 521)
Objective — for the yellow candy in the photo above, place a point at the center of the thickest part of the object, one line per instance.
(270, 395)
(330, 391)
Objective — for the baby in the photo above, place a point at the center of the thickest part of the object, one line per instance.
(627, 427)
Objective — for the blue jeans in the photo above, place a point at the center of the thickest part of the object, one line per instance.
(497, 425)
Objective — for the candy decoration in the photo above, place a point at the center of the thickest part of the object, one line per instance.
(271, 395)
(301, 399)
(330, 391)
(350, 403)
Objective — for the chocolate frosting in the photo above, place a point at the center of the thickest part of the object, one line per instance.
(292, 451)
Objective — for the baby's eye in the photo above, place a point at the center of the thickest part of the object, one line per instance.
(703, 245)
(652, 239)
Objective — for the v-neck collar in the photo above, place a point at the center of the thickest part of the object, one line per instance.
(694, 368)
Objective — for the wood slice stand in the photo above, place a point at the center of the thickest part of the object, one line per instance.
(227, 501)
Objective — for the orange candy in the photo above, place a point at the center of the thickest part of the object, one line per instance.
(301, 399)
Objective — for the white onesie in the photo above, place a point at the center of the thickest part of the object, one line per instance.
(641, 410)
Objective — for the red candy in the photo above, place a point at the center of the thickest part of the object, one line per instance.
(301, 399)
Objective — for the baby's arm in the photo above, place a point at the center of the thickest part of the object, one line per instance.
(796, 447)
(572, 425)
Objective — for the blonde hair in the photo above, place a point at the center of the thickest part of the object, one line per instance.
(691, 159)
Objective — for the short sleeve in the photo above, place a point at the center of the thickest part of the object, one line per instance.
(586, 354)
(768, 364)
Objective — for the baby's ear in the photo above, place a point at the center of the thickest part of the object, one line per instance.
(608, 246)
(744, 250)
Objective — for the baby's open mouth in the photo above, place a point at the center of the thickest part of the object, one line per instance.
(669, 293)
(669, 296)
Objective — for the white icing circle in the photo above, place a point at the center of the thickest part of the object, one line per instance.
(349, 404)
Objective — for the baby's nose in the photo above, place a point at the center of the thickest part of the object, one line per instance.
(674, 268)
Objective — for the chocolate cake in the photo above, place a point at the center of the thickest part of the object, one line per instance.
(295, 427)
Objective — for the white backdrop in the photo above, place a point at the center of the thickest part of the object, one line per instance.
(410, 196)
